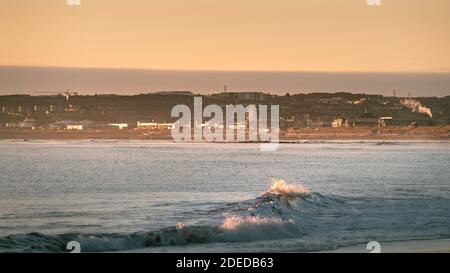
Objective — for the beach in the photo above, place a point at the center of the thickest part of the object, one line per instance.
(321, 133)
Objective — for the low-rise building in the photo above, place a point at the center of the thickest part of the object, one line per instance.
(383, 121)
(147, 125)
(28, 123)
(70, 124)
(119, 126)
(339, 122)
(74, 127)
(154, 125)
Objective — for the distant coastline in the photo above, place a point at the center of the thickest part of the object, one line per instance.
(324, 133)
(38, 80)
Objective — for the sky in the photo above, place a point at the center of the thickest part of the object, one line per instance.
(266, 37)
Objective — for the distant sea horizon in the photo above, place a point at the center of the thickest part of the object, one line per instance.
(35, 80)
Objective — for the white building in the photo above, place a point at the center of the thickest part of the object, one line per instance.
(154, 125)
(74, 127)
(70, 124)
(383, 121)
(120, 126)
(28, 123)
(339, 122)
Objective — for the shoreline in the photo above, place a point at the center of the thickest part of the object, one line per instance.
(426, 133)
(408, 246)
(412, 246)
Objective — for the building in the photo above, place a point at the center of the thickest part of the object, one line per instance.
(28, 123)
(339, 122)
(11, 124)
(167, 126)
(154, 125)
(147, 125)
(70, 124)
(98, 126)
(383, 121)
(61, 124)
(119, 126)
(74, 127)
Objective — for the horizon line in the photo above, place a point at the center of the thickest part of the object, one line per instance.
(91, 80)
(43, 94)
(225, 70)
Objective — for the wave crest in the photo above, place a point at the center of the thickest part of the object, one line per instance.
(280, 186)
(283, 211)
(234, 222)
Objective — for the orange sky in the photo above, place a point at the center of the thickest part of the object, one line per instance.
(274, 35)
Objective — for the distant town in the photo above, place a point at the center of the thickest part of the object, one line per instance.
(68, 111)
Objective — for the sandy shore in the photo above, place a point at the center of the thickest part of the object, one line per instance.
(360, 133)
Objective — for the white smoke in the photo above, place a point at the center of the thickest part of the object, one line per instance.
(416, 107)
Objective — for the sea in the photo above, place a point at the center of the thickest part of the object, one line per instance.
(160, 196)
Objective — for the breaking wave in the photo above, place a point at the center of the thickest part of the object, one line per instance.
(283, 211)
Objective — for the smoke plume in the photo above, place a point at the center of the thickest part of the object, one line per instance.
(416, 107)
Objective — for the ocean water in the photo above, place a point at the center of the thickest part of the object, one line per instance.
(150, 196)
